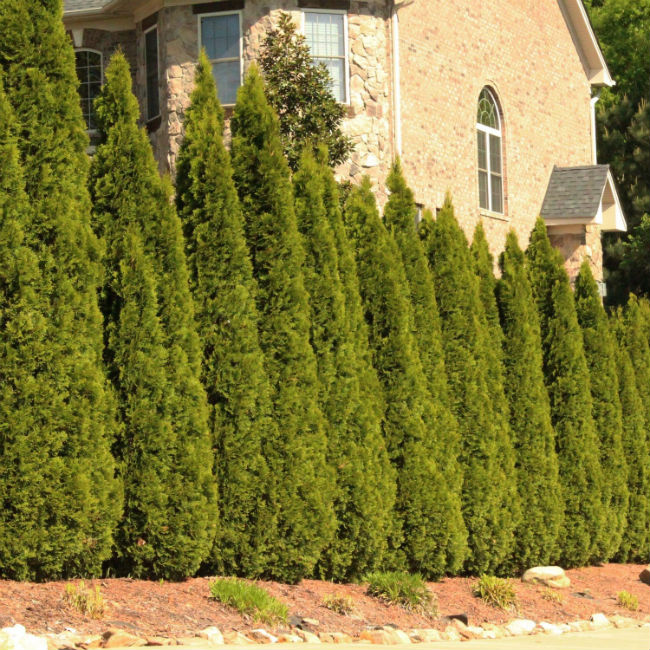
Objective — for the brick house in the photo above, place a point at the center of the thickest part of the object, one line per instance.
(491, 100)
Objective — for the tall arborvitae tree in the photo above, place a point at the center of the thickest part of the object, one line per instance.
(152, 349)
(224, 292)
(511, 505)
(635, 543)
(566, 376)
(464, 334)
(530, 415)
(364, 496)
(60, 498)
(304, 480)
(600, 351)
(400, 217)
(636, 341)
(425, 504)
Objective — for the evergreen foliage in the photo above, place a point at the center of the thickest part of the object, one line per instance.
(304, 497)
(152, 349)
(635, 543)
(400, 218)
(59, 498)
(224, 291)
(301, 94)
(566, 376)
(425, 503)
(600, 352)
(530, 416)
(364, 494)
(511, 506)
(464, 335)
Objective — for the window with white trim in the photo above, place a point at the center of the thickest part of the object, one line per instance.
(490, 156)
(326, 34)
(89, 71)
(220, 35)
(152, 72)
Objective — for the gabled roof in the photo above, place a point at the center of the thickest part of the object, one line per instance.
(581, 195)
(70, 6)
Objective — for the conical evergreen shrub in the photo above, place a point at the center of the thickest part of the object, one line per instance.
(425, 504)
(59, 498)
(152, 350)
(464, 335)
(400, 218)
(636, 341)
(224, 291)
(305, 493)
(530, 415)
(635, 542)
(600, 351)
(566, 376)
(365, 494)
(510, 515)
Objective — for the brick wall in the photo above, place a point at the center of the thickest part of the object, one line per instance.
(524, 51)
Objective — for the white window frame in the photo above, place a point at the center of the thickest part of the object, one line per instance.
(238, 12)
(499, 133)
(146, 84)
(346, 44)
(101, 74)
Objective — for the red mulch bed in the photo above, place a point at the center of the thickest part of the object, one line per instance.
(181, 609)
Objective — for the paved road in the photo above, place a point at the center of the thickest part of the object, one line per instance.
(610, 639)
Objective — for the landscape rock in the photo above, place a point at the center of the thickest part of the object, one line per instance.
(236, 638)
(644, 576)
(262, 636)
(550, 628)
(521, 627)
(307, 636)
(550, 576)
(622, 621)
(579, 626)
(160, 641)
(191, 641)
(17, 638)
(89, 642)
(287, 637)
(212, 634)
(425, 636)
(335, 637)
(307, 623)
(451, 633)
(463, 618)
(120, 639)
(493, 629)
(599, 620)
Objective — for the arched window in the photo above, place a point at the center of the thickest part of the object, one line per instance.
(89, 72)
(490, 158)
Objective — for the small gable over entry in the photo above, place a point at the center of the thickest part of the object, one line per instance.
(580, 203)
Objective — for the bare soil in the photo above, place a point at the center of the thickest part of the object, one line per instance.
(182, 609)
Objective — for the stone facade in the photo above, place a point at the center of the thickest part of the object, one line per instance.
(523, 50)
(577, 243)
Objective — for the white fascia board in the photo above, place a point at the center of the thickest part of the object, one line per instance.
(572, 221)
(620, 223)
(582, 31)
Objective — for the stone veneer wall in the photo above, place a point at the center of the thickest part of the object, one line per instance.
(369, 114)
(577, 243)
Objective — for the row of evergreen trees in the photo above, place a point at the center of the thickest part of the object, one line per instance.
(282, 386)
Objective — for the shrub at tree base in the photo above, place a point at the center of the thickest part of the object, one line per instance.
(404, 589)
(250, 600)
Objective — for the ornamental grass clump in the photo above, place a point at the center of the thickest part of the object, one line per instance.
(497, 592)
(339, 603)
(249, 600)
(404, 589)
(627, 600)
(85, 600)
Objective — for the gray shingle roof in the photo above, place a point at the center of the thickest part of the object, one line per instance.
(81, 5)
(575, 192)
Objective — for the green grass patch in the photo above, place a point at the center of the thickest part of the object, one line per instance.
(498, 592)
(628, 600)
(249, 600)
(404, 589)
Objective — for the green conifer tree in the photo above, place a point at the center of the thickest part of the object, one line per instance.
(152, 349)
(635, 542)
(304, 493)
(60, 498)
(530, 415)
(600, 351)
(566, 376)
(364, 497)
(224, 293)
(425, 504)
(400, 218)
(464, 334)
(510, 515)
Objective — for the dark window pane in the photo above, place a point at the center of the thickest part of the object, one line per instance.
(497, 193)
(228, 78)
(482, 150)
(495, 154)
(483, 190)
(220, 36)
(151, 58)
